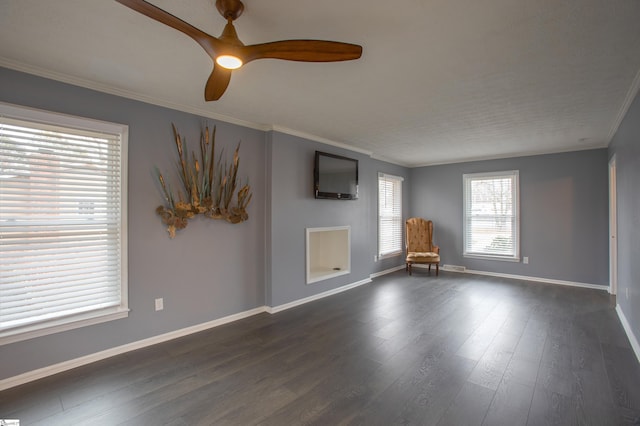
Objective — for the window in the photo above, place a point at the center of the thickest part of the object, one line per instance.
(63, 257)
(389, 215)
(491, 216)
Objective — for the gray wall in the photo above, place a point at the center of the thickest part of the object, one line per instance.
(203, 274)
(211, 269)
(626, 147)
(293, 208)
(563, 206)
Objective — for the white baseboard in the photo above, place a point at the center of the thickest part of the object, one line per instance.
(275, 309)
(386, 271)
(118, 350)
(88, 359)
(635, 345)
(535, 279)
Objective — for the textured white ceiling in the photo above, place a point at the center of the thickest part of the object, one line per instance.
(439, 80)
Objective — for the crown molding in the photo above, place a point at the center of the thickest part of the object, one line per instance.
(105, 88)
(388, 160)
(512, 155)
(304, 135)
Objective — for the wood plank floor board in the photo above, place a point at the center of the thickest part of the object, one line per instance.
(522, 370)
(491, 367)
(623, 372)
(551, 408)
(628, 416)
(219, 386)
(241, 407)
(605, 324)
(141, 405)
(343, 410)
(510, 404)
(419, 388)
(381, 350)
(215, 388)
(469, 408)
(478, 343)
(30, 407)
(341, 379)
(453, 349)
(450, 317)
(301, 378)
(122, 405)
(92, 386)
(531, 346)
(347, 400)
(590, 406)
(555, 378)
(586, 353)
(410, 398)
(436, 391)
(432, 350)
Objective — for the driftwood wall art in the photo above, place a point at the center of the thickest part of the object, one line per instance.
(209, 187)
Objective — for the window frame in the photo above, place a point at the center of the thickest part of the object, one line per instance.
(514, 175)
(396, 180)
(99, 315)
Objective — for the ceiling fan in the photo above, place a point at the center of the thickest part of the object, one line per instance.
(229, 53)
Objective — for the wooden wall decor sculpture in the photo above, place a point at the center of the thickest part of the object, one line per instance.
(208, 186)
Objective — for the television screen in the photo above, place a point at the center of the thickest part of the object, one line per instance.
(335, 177)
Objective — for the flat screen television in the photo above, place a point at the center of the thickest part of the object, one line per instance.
(335, 177)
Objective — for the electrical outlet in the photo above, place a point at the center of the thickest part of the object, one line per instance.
(525, 260)
(159, 304)
(375, 258)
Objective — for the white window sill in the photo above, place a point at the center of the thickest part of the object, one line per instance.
(491, 257)
(389, 255)
(62, 324)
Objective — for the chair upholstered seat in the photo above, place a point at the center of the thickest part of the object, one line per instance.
(419, 244)
(420, 256)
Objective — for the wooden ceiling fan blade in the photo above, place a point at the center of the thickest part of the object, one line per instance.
(302, 50)
(208, 42)
(229, 47)
(217, 83)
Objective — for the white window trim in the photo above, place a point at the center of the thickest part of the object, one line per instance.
(509, 173)
(401, 250)
(101, 315)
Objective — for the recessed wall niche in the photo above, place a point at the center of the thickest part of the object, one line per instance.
(328, 252)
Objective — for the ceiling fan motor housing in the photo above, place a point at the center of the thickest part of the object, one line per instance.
(230, 9)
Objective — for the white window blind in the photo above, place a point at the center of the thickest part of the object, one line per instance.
(491, 215)
(62, 217)
(389, 214)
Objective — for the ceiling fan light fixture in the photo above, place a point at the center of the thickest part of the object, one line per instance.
(229, 62)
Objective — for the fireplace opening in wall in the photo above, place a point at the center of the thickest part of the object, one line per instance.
(328, 252)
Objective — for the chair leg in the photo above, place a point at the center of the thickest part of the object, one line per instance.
(437, 268)
(410, 271)
(429, 268)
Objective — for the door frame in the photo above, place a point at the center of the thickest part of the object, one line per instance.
(613, 228)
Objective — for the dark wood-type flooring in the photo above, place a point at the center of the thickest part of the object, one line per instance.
(450, 350)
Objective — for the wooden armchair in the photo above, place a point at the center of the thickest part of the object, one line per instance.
(419, 244)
